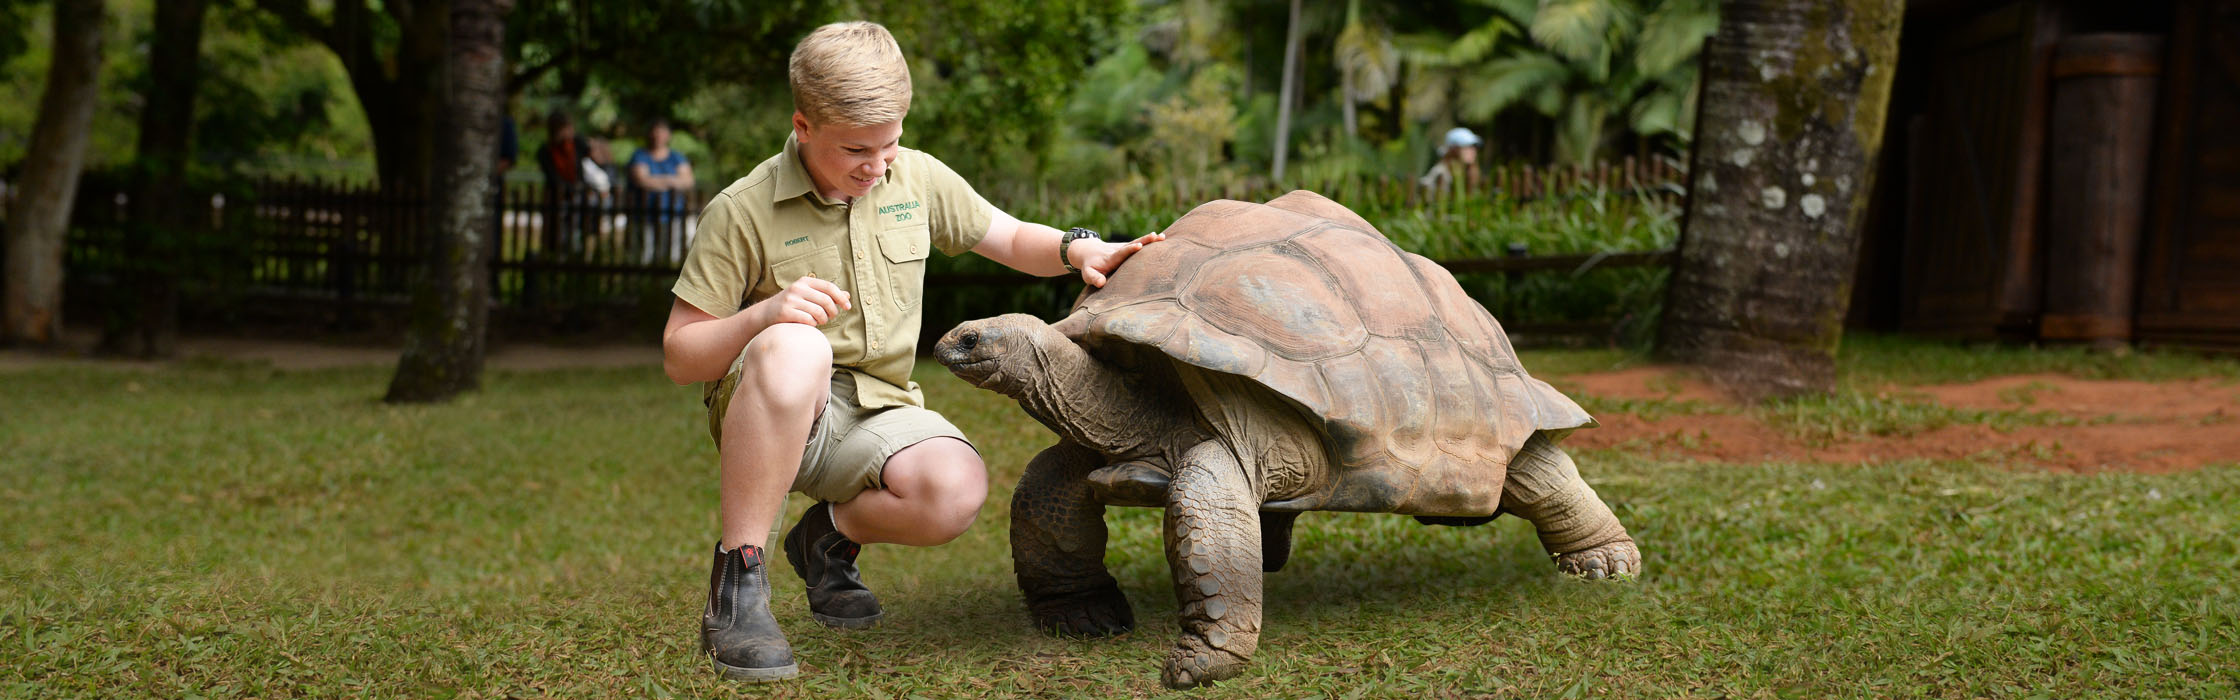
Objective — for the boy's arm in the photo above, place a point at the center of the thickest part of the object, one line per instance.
(698, 347)
(1033, 249)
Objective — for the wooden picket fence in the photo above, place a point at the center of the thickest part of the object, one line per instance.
(339, 242)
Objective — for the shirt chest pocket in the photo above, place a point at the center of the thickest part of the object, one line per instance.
(822, 263)
(906, 249)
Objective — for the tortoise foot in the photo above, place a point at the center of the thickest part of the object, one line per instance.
(1194, 663)
(1099, 612)
(1616, 560)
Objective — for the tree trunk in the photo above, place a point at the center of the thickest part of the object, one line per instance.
(143, 315)
(1794, 93)
(1284, 97)
(40, 216)
(450, 307)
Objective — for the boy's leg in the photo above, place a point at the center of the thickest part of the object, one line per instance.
(780, 389)
(901, 475)
(783, 385)
(934, 490)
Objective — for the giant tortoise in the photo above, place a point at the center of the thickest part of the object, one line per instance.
(1270, 359)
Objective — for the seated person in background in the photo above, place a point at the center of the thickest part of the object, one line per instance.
(663, 178)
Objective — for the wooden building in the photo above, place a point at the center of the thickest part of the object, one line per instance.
(2060, 170)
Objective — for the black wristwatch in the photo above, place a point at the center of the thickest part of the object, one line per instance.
(1065, 241)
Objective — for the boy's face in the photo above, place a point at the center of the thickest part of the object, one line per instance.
(845, 161)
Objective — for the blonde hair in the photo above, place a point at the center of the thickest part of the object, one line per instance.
(849, 74)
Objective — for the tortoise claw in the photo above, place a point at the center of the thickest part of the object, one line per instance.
(1102, 612)
(1616, 560)
(1193, 664)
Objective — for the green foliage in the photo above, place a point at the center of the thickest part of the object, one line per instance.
(14, 13)
(274, 104)
(220, 529)
(993, 77)
(1628, 298)
(1078, 94)
(271, 103)
(1586, 61)
(23, 77)
(628, 63)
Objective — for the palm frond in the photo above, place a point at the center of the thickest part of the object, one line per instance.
(1507, 81)
(1673, 34)
(1519, 11)
(1573, 29)
(1433, 50)
(1364, 53)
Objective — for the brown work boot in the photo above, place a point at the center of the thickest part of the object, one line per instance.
(826, 561)
(736, 629)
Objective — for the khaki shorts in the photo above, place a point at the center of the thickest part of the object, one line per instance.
(848, 446)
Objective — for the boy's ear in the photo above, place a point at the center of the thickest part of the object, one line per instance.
(800, 126)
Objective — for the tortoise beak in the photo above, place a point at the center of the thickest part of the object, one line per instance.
(965, 351)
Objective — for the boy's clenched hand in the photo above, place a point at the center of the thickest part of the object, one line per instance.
(808, 300)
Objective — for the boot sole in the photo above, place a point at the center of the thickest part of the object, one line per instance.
(848, 623)
(757, 675)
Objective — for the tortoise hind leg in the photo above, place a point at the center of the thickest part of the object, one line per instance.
(1057, 547)
(1575, 526)
(1213, 548)
(1275, 540)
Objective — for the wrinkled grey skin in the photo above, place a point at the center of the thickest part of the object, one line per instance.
(1138, 429)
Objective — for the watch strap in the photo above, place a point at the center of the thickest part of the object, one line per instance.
(1065, 243)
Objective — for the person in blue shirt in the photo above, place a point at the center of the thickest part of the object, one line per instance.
(663, 179)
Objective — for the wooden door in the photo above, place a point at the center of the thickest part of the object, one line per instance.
(2190, 284)
(1971, 251)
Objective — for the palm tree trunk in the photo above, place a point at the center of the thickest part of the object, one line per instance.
(1794, 93)
(1291, 45)
(450, 309)
(40, 216)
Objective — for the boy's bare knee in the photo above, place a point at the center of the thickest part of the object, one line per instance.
(788, 347)
(788, 367)
(951, 479)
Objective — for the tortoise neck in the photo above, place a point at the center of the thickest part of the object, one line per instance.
(1103, 408)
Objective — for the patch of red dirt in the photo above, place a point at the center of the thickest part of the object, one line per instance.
(2121, 425)
(1642, 383)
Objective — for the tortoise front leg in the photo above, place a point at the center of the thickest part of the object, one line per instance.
(1057, 546)
(1213, 547)
(1575, 526)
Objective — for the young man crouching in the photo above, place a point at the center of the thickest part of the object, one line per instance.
(799, 305)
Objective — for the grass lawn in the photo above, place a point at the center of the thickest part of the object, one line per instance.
(214, 529)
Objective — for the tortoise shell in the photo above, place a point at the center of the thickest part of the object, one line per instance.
(1414, 384)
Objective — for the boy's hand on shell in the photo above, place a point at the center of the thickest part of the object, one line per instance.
(1103, 261)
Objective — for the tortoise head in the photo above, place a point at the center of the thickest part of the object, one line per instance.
(1000, 354)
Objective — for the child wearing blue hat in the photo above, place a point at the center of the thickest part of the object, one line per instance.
(1458, 158)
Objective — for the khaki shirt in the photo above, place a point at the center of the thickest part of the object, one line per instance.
(772, 227)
